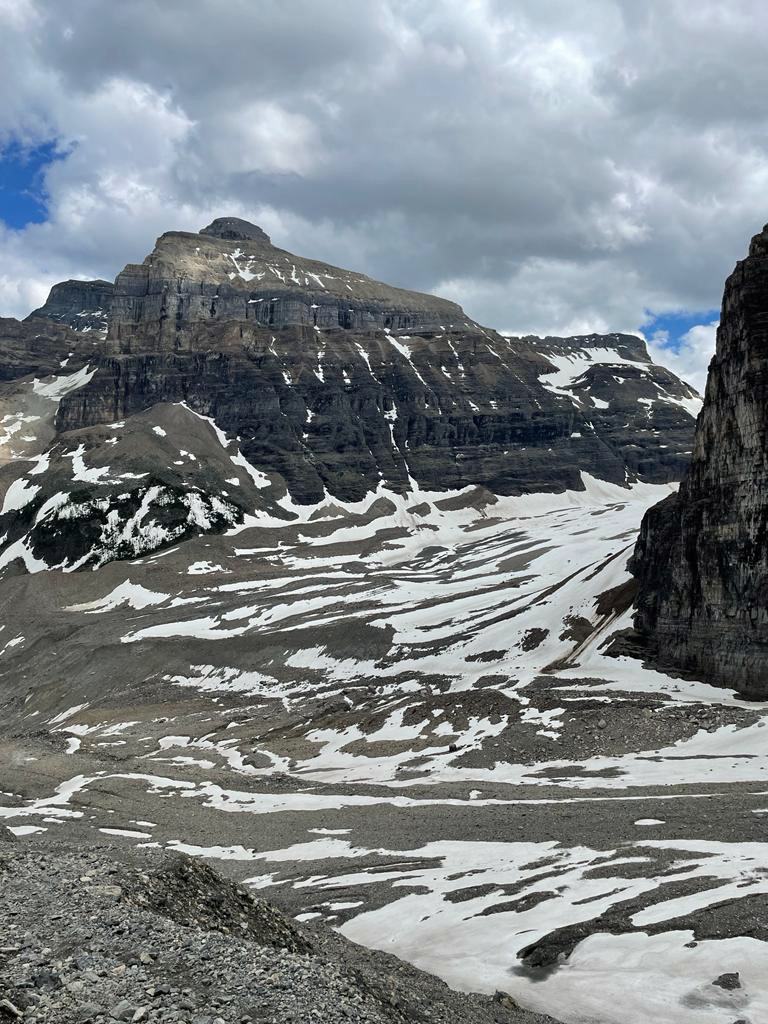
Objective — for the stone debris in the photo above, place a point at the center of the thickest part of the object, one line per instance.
(182, 945)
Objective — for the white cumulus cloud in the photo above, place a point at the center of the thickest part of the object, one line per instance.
(689, 356)
(554, 167)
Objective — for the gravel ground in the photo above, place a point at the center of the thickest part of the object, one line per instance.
(95, 936)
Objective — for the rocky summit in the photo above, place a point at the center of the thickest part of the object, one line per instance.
(702, 556)
(310, 698)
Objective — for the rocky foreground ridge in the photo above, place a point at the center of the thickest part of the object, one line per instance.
(225, 377)
(701, 559)
(98, 936)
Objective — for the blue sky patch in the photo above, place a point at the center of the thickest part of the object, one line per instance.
(22, 186)
(675, 325)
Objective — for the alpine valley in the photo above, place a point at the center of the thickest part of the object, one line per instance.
(320, 582)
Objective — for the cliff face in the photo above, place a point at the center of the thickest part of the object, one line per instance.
(342, 410)
(39, 347)
(702, 556)
(337, 381)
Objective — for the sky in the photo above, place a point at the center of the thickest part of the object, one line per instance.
(556, 168)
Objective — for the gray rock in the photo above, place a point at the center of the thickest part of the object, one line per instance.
(81, 305)
(236, 229)
(124, 1010)
(272, 971)
(728, 981)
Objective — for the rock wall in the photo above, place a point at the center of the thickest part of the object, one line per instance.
(347, 410)
(339, 382)
(40, 347)
(702, 556)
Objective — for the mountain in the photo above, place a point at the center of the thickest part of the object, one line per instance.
(641, 411)
(225, 378)
(702, 555)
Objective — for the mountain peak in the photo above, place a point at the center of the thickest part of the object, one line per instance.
(236, 229)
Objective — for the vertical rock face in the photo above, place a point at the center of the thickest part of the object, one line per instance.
(337, 381)
(702, 556)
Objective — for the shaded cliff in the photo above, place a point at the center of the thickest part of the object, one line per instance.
(701, 560)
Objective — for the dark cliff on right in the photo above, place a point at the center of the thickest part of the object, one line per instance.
(701, 559)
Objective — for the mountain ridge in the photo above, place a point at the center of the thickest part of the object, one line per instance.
(324, 382)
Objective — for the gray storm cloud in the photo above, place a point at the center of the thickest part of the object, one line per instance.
(554, 167)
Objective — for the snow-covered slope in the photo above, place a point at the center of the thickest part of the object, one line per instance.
(597, 370)
(399, 716)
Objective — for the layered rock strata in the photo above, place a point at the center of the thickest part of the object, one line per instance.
(81, 305)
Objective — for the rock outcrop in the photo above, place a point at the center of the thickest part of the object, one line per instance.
(39, 347)
(701, 560)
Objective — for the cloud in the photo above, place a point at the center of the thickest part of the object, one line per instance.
(687, 356)
(554, 167)
(260, 137)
